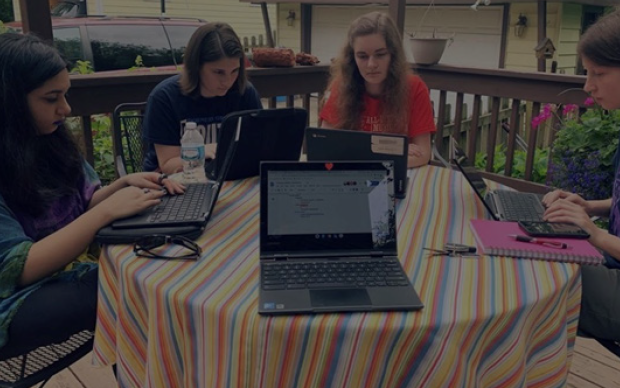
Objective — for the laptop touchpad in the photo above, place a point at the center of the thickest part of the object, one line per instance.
(340, 297)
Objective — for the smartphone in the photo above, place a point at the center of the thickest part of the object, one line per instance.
(552, 229)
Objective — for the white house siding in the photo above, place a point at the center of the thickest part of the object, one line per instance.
(570, 31)
(246, 19)
(477, 35)
(288, 36)
(520, 54)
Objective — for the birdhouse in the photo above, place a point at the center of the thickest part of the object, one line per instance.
(545, 49)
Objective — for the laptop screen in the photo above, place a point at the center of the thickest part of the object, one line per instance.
(319, 207)
(473, 177)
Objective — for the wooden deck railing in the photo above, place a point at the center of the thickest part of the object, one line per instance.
(100, 93)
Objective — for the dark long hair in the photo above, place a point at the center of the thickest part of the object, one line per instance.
(601, 42)
(210, 43)
(34, 169)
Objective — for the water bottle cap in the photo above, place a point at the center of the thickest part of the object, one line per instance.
(190, 125)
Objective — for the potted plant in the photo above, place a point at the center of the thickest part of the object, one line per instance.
(583, 150)
(428, 51)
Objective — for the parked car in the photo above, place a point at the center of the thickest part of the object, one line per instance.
(69, 8)
(114, 43)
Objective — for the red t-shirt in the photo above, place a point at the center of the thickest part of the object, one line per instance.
(420, 118)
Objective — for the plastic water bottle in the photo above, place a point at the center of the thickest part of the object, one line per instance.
(192, 152)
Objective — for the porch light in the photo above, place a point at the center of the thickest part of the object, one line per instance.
(290, 19)
(520, 25)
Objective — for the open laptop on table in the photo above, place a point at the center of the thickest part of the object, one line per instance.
(265, 134)
(338, 144)
(185, 214)
(502, 205)
(328, 239)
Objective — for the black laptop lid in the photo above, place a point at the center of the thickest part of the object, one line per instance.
(321, 209)
(473, 177)
(265, 134)
(338, 144)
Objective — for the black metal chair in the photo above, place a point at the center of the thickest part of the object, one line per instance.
(129, 149)
(40, 364)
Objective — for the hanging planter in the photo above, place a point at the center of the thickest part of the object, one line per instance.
(428, 50)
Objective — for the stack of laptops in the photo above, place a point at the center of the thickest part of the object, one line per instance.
(502, 205)
(336, 144)
(186, 214)
(328, 239)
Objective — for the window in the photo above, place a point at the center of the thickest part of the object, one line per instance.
(179, 37)
(116, 47)
(68, 42)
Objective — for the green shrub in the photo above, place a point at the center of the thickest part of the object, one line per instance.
(539, 168)
(103, 153)
(583, 151)
(82, 67)
(102, 147)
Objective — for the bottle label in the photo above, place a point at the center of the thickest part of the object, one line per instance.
(193, 152)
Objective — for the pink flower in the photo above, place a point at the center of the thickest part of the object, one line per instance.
(589, 101)
(568, 108)
(536, 121)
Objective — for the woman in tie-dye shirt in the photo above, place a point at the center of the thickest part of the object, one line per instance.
(51, 203)
(599, 49)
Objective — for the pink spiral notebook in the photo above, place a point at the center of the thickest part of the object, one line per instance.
(493, 238)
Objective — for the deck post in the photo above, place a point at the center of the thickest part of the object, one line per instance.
(263, 8)
(36, 18)
(397, 13)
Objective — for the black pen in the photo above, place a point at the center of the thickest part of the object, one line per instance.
(534, 240)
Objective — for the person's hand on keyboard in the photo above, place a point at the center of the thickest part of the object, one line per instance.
(127, 202)
(154, 181)
(555, 195)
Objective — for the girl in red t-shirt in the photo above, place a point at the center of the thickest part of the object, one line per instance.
(373, 89)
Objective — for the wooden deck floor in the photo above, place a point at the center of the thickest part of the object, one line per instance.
(592, 367)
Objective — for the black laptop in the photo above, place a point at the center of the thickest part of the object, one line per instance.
(265, 134)
(185, 214)
(502, 205)
(338, 144)
(328, 239)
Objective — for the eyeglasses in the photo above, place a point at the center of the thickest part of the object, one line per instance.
(146, 245)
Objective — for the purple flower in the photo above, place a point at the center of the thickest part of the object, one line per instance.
(589, 101)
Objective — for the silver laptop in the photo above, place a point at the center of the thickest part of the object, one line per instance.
(502, 205)
(328, 239)
(338, 144)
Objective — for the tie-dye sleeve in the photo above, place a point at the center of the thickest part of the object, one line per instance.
(92, 183)
(14, 248)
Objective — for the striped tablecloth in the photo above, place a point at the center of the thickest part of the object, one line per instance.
(487, 322)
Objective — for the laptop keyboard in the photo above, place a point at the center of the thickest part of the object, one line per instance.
(372, 273)
(186, 207)
(520, 207)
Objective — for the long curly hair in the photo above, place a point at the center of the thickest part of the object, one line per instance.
(346, 77)
(35, 169)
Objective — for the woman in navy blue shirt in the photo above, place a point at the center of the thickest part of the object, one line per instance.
(212, 84)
